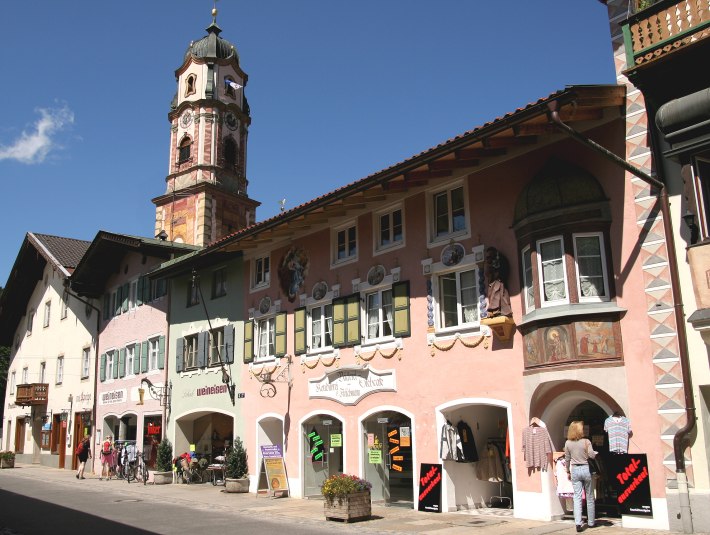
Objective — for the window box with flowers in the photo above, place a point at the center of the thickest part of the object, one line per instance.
(347, 497)
(7, 459)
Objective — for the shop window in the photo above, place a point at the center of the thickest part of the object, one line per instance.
(265, 338)
(261, 269)
(85, 354)
(344, 243)
(389, 226)
(448, 213)
(219, 283)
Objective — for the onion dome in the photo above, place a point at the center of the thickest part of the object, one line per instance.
(212, 46)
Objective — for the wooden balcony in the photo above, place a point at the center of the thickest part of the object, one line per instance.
(664, 28)
(32, 394)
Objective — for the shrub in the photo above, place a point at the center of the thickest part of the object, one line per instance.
(7, 455)
(164, 460)
(235, 463)
(339, 486)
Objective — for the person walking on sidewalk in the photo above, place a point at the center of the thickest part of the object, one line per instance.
(83, 452)
(578, 451)
(106, 459)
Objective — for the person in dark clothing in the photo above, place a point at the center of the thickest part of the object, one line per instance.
(83, 453)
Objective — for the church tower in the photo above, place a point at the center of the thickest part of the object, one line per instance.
(206, 186)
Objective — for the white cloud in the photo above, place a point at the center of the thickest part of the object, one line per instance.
(38, 141)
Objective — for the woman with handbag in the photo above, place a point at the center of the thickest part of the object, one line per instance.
(578, 451)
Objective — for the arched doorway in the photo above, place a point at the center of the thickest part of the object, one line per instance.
(206, 434)
(322, 439)
(388, 459)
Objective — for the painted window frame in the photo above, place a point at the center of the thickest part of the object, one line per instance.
(132, 352)
(603, 265)
(64, 309)
(433, 236)
(59, 379)
(215, 358)
(190, 351)
(261, 272)
(25, 375)
(85, 361)
(47, 313)
(461, 323)
(111, 364)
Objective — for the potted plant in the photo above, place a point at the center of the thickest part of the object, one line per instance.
(164, 463)
(347, 497)
(7, 459)
(236, 469)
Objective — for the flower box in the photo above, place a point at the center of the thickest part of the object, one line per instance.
(353, 506)
(7, 463)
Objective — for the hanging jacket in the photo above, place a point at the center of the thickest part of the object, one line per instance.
(450, 446)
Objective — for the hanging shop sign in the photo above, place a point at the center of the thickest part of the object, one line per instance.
(348, 385)
(153, 429)
(112, 397)
(628, 474)
(430, 488)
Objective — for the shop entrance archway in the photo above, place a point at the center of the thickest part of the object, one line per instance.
(387, 445)
(207, 434)
(322, 439)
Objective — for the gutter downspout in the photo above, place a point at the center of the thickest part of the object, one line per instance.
(67, 287)
(681, 436)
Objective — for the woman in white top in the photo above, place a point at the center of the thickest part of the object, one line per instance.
(578, 450)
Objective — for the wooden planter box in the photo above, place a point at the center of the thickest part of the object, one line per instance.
(7, 464)
(355, 506)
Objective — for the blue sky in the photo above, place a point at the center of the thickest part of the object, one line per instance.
(337, 90)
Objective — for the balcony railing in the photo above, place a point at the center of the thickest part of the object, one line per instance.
(663, 28)
(32, 394)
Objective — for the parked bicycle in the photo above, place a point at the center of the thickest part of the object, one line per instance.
(134, 466)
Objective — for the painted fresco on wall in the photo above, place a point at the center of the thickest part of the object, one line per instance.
(557, 346)
(293, 270)
(595, 339)
(533, 357)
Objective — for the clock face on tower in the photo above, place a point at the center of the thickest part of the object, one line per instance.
(231, 121)
(186, 119)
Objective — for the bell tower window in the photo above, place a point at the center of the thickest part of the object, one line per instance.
(230, 152)
(190, 85)
(184, 150)
(229, 87)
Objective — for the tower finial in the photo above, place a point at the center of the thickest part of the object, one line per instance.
(214, 12)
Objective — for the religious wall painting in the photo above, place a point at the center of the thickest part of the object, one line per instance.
(293, 270)
(595, 339)
(557, 344)
(531, 349)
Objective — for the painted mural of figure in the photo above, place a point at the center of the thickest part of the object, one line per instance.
(584, 345)
(293, 271)
(496, 270)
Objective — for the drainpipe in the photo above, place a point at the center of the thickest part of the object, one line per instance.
(67, 287)
(681, 436)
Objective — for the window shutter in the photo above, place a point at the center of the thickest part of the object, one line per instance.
(400, 295)
(299, 331)
(248, 341)
(125, 292)
(339, 322)
(107, 307)
(122, 362)
(139, 290)
(203, 342)
(102, 373)
(229, 344)
(144, 356)
(352, 315)
(280, 335)
(137, 358)
(161, 353)
(115, 364)
(179, 354)
(117, 304)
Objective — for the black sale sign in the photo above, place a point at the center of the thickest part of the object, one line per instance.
(628, 474)
(430, 488)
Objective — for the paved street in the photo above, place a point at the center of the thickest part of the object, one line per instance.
(38, 500)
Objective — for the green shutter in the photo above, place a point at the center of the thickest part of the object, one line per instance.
(122, 362)
(299, 331)
(339, 322)
(137, 358)
(179, 354)
(107, 306)
(280, 332)
(117, 303)
(161, 353)
(203, 344)
(144, 357)
(102, 374)
(400, 298)
(125, 291)
(352, 319)
(248, 341)
(115, 364)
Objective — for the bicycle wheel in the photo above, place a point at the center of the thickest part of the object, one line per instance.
(144, 470)
(130, 473)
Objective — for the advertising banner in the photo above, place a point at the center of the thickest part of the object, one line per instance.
(430, 488)
(628, 474)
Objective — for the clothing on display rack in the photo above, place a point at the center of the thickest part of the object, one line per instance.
(564, 484)
(450, 448)
(468, 444)
(490, 466)
(618, 428)
(537, 445)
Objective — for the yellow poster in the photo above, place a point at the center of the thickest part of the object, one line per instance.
(276, 474)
